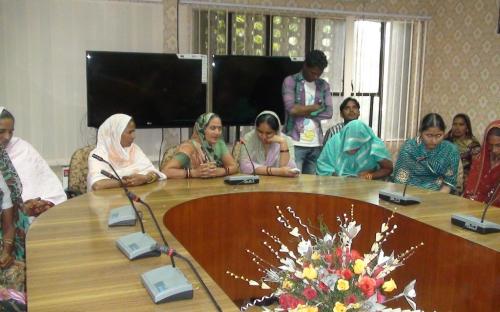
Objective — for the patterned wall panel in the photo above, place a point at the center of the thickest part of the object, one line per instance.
(462, 70)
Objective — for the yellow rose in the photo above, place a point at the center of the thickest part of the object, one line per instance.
(310, 272)
(359, 266)
(342, 285)
(315, 256)
(339, 307)
(287, 284)
(389, 286)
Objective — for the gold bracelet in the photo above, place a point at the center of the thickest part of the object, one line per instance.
(152, 178)
(8, 241)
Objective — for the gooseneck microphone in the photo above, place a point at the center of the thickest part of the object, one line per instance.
(401, 198)
(243, 179)
(248, 154)
(490, 202)
(179, 286)
(475, 224)
(118, 178)
(136, 245)
(137, 199)
(168, 251)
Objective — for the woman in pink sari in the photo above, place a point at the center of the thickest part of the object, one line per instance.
(484, 175)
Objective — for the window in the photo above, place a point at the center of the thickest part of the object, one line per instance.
(369, 60)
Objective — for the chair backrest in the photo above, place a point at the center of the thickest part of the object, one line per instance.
(79, 169)
(168, 154)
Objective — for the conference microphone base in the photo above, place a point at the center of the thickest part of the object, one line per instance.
(138, 245)
(398, 198)
(122, 216)
(474, 224)
(166, 284)
(241, 179)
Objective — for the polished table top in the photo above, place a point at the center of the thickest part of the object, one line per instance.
(74, 265)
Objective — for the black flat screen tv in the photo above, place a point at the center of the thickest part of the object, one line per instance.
(243, 86)
(157, 90)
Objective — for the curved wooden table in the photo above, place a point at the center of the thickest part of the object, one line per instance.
(73, 264)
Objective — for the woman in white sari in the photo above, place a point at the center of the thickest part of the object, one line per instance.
(115, 139)
(42, 189)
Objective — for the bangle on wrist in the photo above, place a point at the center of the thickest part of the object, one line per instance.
(8, 241)
(284, 151)
(151, 177)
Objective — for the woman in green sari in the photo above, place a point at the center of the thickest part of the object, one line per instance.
(428, 161)
(205, 155)
(355, 151)
(12, 236)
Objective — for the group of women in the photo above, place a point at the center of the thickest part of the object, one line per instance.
(432, 160)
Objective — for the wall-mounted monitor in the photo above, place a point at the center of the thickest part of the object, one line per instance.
(157, 90)
(243, 86)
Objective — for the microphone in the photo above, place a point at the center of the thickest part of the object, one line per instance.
(136, 245)
(137, 199)
(176, 286)
(108, 175)
(475, 224)
(121, 216)
(243, 179)
(401, 198)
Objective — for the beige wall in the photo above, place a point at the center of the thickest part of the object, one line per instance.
(462, 70)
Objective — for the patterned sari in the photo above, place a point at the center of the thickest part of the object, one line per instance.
(335, 159)
(12, 279)
(203, 151)
(428, 169)
(468, 149)
(482, 177)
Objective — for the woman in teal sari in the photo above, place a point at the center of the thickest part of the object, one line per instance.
(355, 151)
(428, 161)
(12, 236)
(205, 155)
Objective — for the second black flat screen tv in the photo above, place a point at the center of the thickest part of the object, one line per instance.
(243, 86)
(157, 90)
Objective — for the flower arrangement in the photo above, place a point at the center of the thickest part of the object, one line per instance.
(325, 273)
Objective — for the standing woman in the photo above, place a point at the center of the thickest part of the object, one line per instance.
(485, 171)
(115, 143)
(468, 146)
(12, 238)
(428, 161)
(271, 152)
(205, 155)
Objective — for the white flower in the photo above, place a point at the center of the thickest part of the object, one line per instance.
(304, 247)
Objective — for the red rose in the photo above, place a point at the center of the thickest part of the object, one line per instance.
(323, 287)
(367, 286)
(346, 274)
(310, 293)
(355, 255)
(351, 299)
(338, 252)
(288, 301)
(328, 258)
